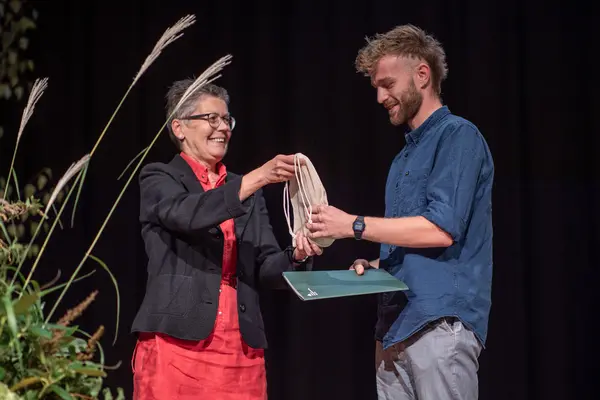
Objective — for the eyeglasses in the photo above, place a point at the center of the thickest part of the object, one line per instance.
(214, 119)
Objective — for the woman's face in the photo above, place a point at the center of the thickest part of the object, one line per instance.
(205, 134)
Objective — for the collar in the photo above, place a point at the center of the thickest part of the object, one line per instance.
(416, 134)
(201, 171)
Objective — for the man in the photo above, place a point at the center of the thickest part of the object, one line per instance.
(437, 232)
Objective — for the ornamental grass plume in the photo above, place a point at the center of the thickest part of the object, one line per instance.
(36, 93)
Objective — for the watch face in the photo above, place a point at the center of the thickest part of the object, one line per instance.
(358, 226)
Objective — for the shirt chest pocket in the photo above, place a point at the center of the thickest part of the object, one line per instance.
(411, 191)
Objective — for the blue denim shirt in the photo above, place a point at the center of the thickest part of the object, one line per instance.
(444, 173)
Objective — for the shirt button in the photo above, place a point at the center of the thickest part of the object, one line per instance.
(406, 173)
(220, 312)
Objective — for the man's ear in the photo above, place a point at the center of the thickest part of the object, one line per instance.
(423, 75)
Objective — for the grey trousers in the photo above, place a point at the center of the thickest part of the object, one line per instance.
(438, 363)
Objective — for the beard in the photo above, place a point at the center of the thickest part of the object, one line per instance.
(409, 103)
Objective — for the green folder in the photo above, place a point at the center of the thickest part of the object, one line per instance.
(315, 285)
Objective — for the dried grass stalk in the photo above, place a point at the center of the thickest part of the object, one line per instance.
(209, 75)
(171, 34)
(36, 92)
(73, 169)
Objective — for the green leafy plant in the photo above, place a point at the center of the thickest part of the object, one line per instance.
(17, 18)
(39, 357)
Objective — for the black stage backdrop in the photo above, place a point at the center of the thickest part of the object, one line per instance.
(522, 72)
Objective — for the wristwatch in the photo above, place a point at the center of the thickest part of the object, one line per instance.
(359, 227)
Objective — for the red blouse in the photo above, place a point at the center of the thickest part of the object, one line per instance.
(228, 227)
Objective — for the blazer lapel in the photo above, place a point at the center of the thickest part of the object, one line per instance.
(190, 181)
(188, 177)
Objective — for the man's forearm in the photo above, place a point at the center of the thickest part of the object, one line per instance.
(415, 232)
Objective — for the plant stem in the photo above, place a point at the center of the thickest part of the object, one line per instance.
(5, 232)
(12, 164)
(39, 256)
(89, 250)
(111, 119)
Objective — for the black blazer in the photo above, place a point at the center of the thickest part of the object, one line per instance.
(184, 244)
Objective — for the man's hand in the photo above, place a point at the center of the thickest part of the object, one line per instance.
(330, 222)
(305, 247)
(361, 265)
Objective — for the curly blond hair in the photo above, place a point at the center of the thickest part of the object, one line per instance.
(406, 41)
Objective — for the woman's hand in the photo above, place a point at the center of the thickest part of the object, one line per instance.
(279, 169)
(305, 248)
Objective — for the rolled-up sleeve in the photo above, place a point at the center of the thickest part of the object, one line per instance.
(452, 184)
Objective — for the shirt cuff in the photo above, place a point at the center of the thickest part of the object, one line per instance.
(444, 217)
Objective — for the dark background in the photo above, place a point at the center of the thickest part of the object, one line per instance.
(523, 72)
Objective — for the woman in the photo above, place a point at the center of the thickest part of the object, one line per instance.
(210, 248)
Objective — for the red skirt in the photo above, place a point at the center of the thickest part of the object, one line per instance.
(220, 367)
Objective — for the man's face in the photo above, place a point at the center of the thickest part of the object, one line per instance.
(396, 91)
